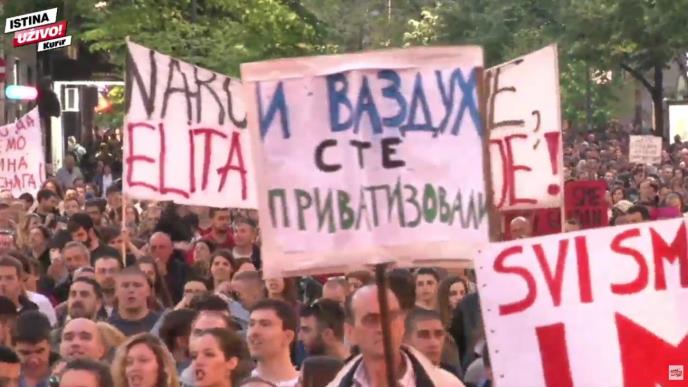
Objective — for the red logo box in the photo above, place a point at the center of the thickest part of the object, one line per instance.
(39, 34)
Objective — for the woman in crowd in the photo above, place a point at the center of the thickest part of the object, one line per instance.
(112, 338)
(617, 195)
(284, 289)
(451, 291)
(199, 255)
(161, 298)
(175, 332)
(215, 356)
(674, 200)
(39, 240)
(23, 240)
(52, 185)
(143, 361)
(221, 267)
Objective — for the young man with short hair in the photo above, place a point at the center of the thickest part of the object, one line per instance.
(81, 340)
(133, 315)
(82, 229)
(336, 289)
(425, 332)
(86, 373)
(32, 343)
(10, 367)
(271, 331)
(47, 205)
(11, 273)
(245, 234)
(427, 284)
(106, 268)
(220, 231)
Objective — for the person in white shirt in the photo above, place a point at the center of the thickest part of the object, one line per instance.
(364, 327)
(271, 331)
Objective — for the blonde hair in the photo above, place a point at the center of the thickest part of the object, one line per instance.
(167, 371)
(110, 336)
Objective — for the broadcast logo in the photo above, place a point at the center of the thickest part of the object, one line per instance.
(40, 28)
(675, 372)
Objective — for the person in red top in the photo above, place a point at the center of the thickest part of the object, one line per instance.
(220, 232)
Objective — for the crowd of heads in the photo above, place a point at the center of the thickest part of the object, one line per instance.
(97, 289)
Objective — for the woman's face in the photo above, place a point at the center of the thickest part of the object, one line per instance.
(36, 238)
(275, 285)
(141, 369)
(221, 270)
(208, 361)
(675, 202)
(70, 194)
(201, 252)
(50, 186)
(131, 215)
(456, 292)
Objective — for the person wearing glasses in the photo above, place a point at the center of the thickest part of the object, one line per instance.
(364, 325)
(322, 329)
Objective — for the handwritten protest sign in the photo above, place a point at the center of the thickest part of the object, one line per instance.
(22, 167)
(368, 158)
(645, 149)
(586, 202)
(524, 123)
(185, 137)
(594, 308)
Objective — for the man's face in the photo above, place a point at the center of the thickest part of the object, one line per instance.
(94, 213)
(80, 340)
(206, 321)
(221, 221)
(70, 162)
(35, 359)
(75, 258)
(519, 230)
(667, 173)
(6, 243)
(49, 204)
(609, 177)
(82, 301)
(428, 338)
(132, 292)
(311, 336)
(646, 191)
(114, 200)
(426, 288)
(106, 269)
(244, 235)
(266, 337)
(366, 330)
(81, 235)
(10, 286)
(9, 374)
(161, 248)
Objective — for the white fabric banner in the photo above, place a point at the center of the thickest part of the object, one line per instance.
(596, 308)
(368, 158)
(185, 136)
(22, 159)
(524, 117)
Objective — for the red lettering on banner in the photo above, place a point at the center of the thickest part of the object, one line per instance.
(509, 170)
(554, 355)
(584, 278)
(234, 162)
(500, 267)
(554, 282)
(645, 358)
(674, 252)
(640, 282)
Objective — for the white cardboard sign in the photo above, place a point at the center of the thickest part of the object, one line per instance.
(645, 150)
(368, 158)
(185, 136)
(596, 308)
(524, 118)
(22, 159)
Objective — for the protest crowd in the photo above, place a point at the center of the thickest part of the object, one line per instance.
(191, 308)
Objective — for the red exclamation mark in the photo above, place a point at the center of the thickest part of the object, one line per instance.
(60, 27)
(552, 139)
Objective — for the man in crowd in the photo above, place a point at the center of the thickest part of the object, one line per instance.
(81, 340)
(170, 264)
(220, 233)
(336, 289)
(648, 194)
(6, 241)
(47, 206)
(69, 172)
(249, 288)
(86, 373)
(94, 209)
(520, 228)
(11, 272)
(10, 367)
(425, 332)
(32, 343)
(85, 299)
(106, 268)
(271, 331)
(74, 256)
(365, 330)
(427, 282)
(637, 214)
(133, 315)
(322, 329)
(82, 230)
(245, 235)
